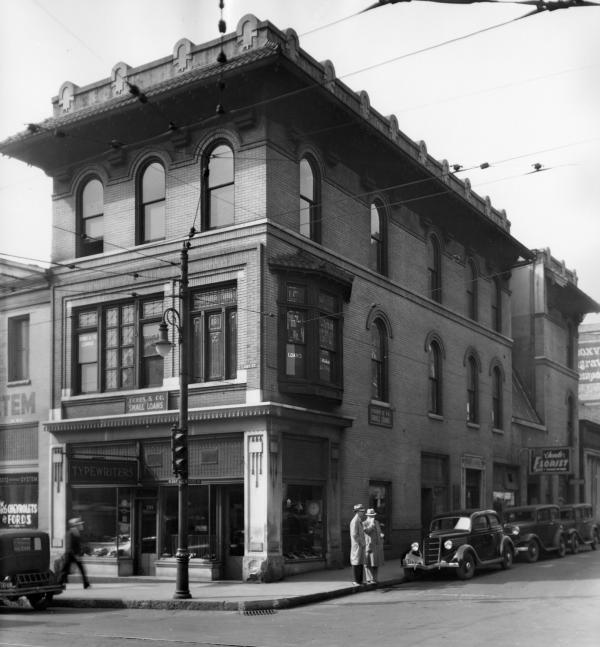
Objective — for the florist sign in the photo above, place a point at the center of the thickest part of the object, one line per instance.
(551, 460)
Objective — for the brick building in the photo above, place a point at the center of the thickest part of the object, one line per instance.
(25, 334)
(350, 316)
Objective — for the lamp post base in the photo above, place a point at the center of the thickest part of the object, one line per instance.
(182, 587)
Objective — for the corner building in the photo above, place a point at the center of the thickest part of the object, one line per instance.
(350, 327)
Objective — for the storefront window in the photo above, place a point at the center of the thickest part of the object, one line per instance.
(202, 543)
(19, 500)
(303, 522)
(106, 513)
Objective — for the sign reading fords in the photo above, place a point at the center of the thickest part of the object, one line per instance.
(551, 460)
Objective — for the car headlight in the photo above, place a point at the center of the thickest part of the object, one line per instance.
(414, 546)
(515, 530)
(448, 544)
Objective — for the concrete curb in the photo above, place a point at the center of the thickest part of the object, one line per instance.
(243, 606)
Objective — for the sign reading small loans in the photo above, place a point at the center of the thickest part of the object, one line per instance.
(550, 460)
(147, 402)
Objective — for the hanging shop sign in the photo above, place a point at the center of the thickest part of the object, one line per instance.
(550, 460)
(102, 471)
(381, 416)
(146, 402)
(19, 500)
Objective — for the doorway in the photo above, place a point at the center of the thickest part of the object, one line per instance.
(145, 535)
(233, 540)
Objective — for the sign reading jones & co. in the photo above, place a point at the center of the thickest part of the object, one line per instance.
(550, 460)
(146, 402)
(102, 471)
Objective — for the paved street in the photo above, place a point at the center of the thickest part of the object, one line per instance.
(554, 602)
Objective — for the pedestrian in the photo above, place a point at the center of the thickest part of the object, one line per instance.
(73, 552)
(357, 543)
(373, 547)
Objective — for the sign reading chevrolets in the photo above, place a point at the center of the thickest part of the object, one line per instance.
(550, 460)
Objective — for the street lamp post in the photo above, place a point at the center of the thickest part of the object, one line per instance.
(179, 319)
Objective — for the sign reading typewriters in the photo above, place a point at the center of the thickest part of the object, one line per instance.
(85, 471)
(550, 460)
(146, 402)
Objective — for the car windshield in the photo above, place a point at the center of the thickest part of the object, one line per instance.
(519, 515)
(451, 523)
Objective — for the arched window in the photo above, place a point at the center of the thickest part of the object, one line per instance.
(497, 305)
(497, 418)
(309, 216)
(434, 268)
(378, 362)
(472, 390)
(435, 378)
(152, 203)
(91, 218)
(377, 252)
(471, 279)
(219, 187)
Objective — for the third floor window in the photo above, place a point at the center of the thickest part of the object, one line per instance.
(90, 218)
(151, 203)
(219, 194)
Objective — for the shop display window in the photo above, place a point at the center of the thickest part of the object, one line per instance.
(202, 541)
(303, 522)
(107, 516)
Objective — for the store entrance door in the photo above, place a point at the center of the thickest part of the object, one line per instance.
(232, 497)
(145, 536)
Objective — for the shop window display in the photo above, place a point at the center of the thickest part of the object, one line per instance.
(202, 542)
(107, 516)
(303, 522)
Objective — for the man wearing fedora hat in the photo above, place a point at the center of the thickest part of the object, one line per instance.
(73, 552)
(373, 547)
(357, 543)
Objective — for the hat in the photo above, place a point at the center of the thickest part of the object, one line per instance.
(371, 513)
(76, 521)
(358, 507)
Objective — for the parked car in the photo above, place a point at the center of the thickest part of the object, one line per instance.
(463, 541)
(580, 527)
(536, 528)
(25, 568)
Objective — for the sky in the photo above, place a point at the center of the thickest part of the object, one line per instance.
(479, 85)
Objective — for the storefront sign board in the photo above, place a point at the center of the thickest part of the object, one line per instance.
(146, 402)
(550, 460)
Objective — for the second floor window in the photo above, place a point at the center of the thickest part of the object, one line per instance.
(214, 325)
(18, 348)
(152, 203)
(472, 390)
(219, 205)
(497, 418)
(115, 346)
(378, 362)
(311, 321)
(90, 224)
(310, 225)
(435, 378)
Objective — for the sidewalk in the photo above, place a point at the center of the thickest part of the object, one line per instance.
(154, 593)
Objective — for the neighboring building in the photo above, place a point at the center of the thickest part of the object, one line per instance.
(25, 352)
(547, 308)
(588, 363)
(350, 327)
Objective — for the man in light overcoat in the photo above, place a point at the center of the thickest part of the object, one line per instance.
(357, 543)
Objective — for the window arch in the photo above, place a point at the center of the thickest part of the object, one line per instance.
(497, 305)
(434, 353)
(379, 363)
(310, 225)
(434, 268)
(377, 250)
(472, 288)
(219, 187)
(472, 366)
(90, 225)
(497, 399)
(151, 202)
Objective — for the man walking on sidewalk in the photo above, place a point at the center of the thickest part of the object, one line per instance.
(357, 543)
(73, 552)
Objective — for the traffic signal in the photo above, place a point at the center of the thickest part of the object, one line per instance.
(179, 451)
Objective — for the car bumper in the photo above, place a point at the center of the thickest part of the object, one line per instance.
(418, 564)
(18, 591)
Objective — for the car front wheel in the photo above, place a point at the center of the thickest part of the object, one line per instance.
(40, 601)
(574, 544)
(466, 567)
(508, 557)
(533, 551)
